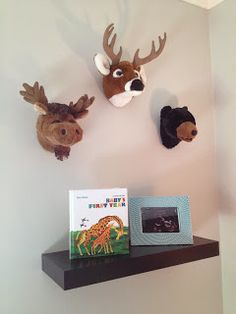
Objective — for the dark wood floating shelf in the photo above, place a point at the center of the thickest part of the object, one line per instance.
(82, 272)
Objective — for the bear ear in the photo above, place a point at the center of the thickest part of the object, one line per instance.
(165, 110)
(185, 108)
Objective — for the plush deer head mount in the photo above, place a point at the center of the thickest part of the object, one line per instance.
(122, 80)
(57, 128)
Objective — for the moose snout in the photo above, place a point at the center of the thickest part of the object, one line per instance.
(137, 85)
(64, 131)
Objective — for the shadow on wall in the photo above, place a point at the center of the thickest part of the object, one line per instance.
(61, 244)
(159, 99)
(174, 177)
(81, 35)
(225, 185)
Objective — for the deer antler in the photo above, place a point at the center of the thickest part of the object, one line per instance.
(153, 54)
(79, 109)
(36, 96)
(108, 48)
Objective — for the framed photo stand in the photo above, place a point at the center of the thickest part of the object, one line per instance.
(160, 220)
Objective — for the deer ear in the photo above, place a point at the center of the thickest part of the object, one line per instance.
(142, 74)
(102, 63)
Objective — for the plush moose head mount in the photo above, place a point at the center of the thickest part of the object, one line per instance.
(177, 125)
(122, 80)
(57, 128)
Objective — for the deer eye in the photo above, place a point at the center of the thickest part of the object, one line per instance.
(56, 121)
(117, 73)
(136, 73)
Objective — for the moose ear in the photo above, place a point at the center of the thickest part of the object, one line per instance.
(82, 114)
(40, 108)
(102, 63)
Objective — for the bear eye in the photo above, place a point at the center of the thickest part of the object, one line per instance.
(117, 73)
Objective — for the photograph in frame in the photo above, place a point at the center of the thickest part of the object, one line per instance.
(159, 219)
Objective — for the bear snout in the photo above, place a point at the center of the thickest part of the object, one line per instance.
(186, 131)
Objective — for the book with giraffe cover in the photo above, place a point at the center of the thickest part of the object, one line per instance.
(98, 222)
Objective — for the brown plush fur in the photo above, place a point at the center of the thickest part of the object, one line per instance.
(115, 85)
(187, 131)
(57, 128)
(50, 132)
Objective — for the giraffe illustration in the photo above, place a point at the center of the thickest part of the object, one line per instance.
(97, 229)
(103, 241)
(80, 239)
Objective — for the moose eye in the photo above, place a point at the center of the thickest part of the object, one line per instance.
(117, 73)
(72, 121)
(56, 121)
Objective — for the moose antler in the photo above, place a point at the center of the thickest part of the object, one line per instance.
(153, 54)
(108, 48)
(36, 96)
(79, 109)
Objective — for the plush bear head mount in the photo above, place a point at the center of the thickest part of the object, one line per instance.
(57, 127)
(177, 125)
(122, 80)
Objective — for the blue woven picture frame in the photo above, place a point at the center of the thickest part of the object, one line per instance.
(160, 220)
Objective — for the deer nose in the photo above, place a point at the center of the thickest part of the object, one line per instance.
(137, 85)
(194, 132)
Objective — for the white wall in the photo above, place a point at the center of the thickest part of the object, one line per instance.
(223, 50)
(54, 42)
